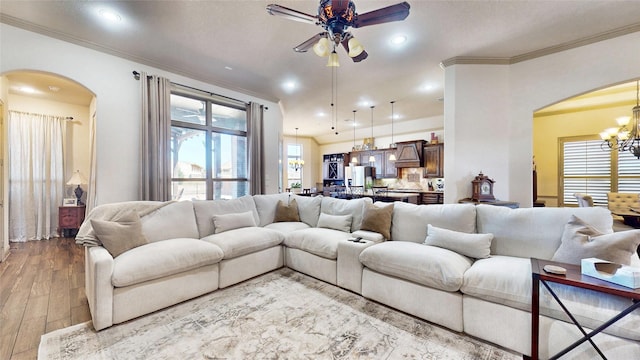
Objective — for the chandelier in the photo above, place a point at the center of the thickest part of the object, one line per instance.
(624, 138)
(297, 163)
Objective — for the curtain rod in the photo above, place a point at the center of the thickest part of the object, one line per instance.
(69, 118)
(136, 76)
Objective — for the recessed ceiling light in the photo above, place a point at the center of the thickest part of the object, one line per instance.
(228, 67)
(289, 86)
(110, 15)
(398, 39)
(321, 114)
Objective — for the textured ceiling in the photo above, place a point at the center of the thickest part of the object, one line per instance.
(203, 39)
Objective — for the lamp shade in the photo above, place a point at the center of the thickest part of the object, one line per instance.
(355, 48)
(77, 179)
(321, 48)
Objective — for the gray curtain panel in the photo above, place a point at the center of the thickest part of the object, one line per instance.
(255, 115)
(155, 177)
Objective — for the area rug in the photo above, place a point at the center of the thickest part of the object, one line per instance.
(279, 315)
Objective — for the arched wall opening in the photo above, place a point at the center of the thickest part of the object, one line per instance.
(39, 92)
(583, 115)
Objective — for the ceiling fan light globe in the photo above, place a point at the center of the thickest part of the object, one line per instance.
(355, 48)
(333, 60)
(321, 48)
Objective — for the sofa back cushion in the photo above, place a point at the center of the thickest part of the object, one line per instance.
(354, 207)
(205, 209)
(175, 220)
(534, 232)
(409, 222)
(308, 207)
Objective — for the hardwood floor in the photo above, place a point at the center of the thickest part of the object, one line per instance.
(41, 290)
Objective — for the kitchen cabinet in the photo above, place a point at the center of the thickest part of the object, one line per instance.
(333, 167)
(433, 161)
(384, 167)
(432, 198)
(390, 170)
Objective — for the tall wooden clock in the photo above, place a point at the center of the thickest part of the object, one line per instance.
(482, 188)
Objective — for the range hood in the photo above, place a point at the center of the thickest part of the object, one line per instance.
(409, 154)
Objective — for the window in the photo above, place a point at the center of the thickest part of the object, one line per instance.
(294, 177)
(587, 168)
(209, 156)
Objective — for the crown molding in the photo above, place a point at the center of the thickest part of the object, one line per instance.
(29, 26)
(627, 103)
(479, 60)
(476, 60)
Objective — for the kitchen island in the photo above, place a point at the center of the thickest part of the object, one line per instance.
(388, 196)
(426, 196)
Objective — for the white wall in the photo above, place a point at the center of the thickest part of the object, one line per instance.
(489, 110)
(118, 105)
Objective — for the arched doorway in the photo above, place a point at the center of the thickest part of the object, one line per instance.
(578, 119)
(37, 92)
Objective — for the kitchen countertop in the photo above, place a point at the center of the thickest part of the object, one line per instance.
(398, 195)
(418, 191)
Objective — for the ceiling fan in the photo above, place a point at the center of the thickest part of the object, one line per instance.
(335, 17)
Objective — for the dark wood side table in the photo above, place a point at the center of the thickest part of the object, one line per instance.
(70, 218)
(575, 278)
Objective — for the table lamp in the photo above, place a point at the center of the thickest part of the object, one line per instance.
(78, 179)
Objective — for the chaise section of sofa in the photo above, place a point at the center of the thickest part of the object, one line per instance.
(172, 267)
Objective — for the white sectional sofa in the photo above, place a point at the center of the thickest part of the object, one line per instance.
(195, 247)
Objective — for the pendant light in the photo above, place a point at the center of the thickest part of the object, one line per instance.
(392, 156)
(372, 159)
(297, 163)
(354, 161)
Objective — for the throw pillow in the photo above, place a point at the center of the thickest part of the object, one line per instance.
(121, 235)
(287, 213)
(336, 222)
(476, 246)
(582, 241)
(228, 222)
(378, 219)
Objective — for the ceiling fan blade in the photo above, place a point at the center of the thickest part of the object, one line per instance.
(277, 10)
(395, 12)
(309, 43)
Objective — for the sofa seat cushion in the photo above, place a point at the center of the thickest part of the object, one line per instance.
(507, 280)
(287, 227)
(423, 264)
(500, 279)
(318, 241)
(245, 240)
(161, 259)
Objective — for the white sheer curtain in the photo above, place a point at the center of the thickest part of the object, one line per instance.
(36, 175)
